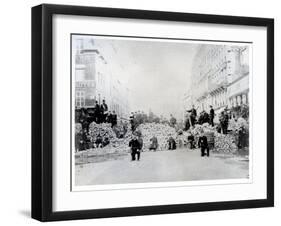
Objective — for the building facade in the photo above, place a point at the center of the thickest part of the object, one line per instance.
(238, 88)
(95, 81)
(220, 77)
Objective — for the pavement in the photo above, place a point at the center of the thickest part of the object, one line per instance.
(162, 166)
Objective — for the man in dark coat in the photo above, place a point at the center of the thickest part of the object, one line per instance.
(154, 143)
(109, 117)
(172, 143)
(104, 111)
(78, 141)
(191, 140)
(97, 112)
(113, 119)
(132, 121)
(206, 118)
(135, 148)
(226, 121)
(84, 120)
(212, 115)
(203, 144)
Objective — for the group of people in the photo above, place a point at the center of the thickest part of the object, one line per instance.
(85, 140)
(205, 117)
(136, 145)
(99, 113)
(137, 118)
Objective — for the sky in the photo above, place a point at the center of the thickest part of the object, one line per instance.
(157, 72)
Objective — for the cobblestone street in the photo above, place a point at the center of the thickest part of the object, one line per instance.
(162, 166)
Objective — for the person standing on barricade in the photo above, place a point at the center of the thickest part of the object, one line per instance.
(173, 121)
(109, 117)
(97, 112)
(212, 115)
(192, 116)
(113, 119)
(132, 121)
(104, 111)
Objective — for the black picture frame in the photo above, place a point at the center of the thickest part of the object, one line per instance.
(42, 107)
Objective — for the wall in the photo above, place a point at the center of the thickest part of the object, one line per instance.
(16, 105)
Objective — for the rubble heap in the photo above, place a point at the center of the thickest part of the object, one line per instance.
(116, 145)
(103, 129)
(161, 131)
(223, 143)
(196, 130)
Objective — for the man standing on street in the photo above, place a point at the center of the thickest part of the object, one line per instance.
(135, 148)
(203, 144)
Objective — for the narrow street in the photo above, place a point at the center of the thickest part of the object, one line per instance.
(161, 166)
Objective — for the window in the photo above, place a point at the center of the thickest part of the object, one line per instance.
(80, 99)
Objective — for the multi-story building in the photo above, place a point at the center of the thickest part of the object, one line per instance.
(85, 74)
(238, 88)
(94, 80)
(219, 76)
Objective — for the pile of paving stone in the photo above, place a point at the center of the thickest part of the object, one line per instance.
(103, 130)
(161, 131)
(223, 143)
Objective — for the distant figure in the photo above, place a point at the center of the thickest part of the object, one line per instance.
(206, 118)
(78, 141)
(109, 117)
(135, 148)
(193, 115)
(132, 121)
(97, 112)
(113, 119)
(173, 121)
(154, 143)
(104, 111)
(224, 121)
(203, 144)
(241, 137)
(172, 143)
(140, 140)
(201, 118)
(190, 140)
(105, 141)
(212, 115)
(98, 141)
(187, 122)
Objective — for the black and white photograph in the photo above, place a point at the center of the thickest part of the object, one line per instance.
(140, 112)
(159, 110)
